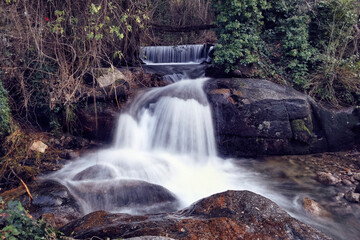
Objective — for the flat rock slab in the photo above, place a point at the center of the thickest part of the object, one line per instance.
(227, 215)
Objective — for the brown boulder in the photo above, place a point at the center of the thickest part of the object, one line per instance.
(227, 215)
(326, 178)
(315, 209)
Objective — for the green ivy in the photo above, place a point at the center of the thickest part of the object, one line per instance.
(5, 115)
(238, 24)
(287, 33)
(311, 45)
(19, 225)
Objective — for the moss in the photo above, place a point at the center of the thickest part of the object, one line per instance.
(299, 125)
(5, 115)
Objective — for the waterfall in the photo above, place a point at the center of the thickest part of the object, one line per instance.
(174, 54)
(161, 121)
(164, 156)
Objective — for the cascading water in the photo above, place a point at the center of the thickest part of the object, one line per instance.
(174, 54)
(164, 146)
(164, 155)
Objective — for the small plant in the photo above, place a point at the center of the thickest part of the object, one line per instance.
(5, 115)
(20, 225)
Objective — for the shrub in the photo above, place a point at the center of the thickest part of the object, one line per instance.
(48, 46)
(311, 45)
(20, 225)
(336, 76)
(5, 115)
(238, 28)
(287, 38)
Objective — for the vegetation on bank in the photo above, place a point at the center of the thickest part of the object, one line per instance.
(20, 225)
(5, 114)
(312, 45)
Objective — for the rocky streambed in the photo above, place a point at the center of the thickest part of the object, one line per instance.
(317, 185)
(252, 118)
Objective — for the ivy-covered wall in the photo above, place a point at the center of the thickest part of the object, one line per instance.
(311, 45)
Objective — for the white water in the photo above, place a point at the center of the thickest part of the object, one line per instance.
(174, 54)
(166, 137)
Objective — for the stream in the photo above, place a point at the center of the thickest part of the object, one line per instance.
(165, 138)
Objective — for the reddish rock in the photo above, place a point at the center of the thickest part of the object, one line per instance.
(228, 215)
(314, 208)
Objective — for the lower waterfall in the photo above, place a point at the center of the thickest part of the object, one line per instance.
(165, 138)
(164, 156)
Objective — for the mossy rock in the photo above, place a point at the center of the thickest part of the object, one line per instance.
(302, 130)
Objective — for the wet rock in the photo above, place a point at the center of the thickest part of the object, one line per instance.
(347, 182)
(52, 198)
(357, 176)
(258, 117)
(137, 196)
(357, 189)
(314, 208)
(326, 178)
(69, 154)
(339, 196)
(97, 122)
(228, 215)
(97, 172)
(352, 197)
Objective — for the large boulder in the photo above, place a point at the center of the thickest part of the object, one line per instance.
(258, 117)
(227, 215)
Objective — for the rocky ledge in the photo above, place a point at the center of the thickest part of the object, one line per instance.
(259, 117)
(227, 215)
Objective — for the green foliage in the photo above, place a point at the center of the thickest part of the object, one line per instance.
(335, 78)
(5, 115)
(313, 46)
(286, 34)
(238, 32)
(19, 224)
(48, 46)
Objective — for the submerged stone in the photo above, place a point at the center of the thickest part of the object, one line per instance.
(134, 196)
(314, 208)
(352, 197)
(326, 178)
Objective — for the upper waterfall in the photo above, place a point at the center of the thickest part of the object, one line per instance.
(174, 54)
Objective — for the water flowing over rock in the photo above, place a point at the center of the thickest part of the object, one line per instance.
(164, 157)
(227, 215)
(174, 54)
(314, 208)
(258, 117)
